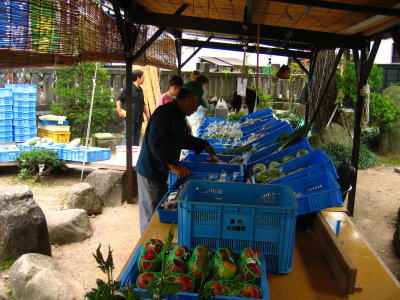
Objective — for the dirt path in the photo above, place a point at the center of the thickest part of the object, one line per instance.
(378, 198)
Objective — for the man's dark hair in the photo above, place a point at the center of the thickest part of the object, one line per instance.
(176, 81)
(136, 73)
(183, 94)
(196, 73)
(203, 79)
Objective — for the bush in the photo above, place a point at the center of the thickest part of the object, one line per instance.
(370, 138)
(383, 111)
(341, 153)
(74, 90)
(291, 117)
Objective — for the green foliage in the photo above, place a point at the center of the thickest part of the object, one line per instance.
(341, 153)
(383, 111)
(74, 90)
(30, 161)
(7, 264)
(291, 117)
(370, 138)
(347, 81)
(236, 116)
(109, 290)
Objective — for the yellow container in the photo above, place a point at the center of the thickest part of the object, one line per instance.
(57, 136)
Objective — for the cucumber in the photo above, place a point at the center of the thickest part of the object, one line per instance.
(74, 143)
(32, 141)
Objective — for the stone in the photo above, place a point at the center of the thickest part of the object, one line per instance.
(393, 92)
(334, 133)
(68, 226)
(389, 140)
(397, 169)
(39, 277)
(110, 186)
(396, 235)
(82, 195)
(23, 227)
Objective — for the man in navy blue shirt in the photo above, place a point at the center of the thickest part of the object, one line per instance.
(166, 135)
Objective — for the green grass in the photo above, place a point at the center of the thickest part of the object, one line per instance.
(6, 264)
(389, 160)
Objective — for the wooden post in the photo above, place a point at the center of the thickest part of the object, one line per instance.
(366, 66)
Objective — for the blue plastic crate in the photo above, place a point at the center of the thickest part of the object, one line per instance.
(25, 103)
(164, 215)
(21, 115)
(21, 138)
(6, 115)
(7, 128)
(47, 122)
(278, 156)
(6, 101)
(258, 114)
(25, 130)
(6, 133)
(5, 93)
(276, 126)
(316, 192)
(23, 109)
(204, 171)
(238, 215)
(5, 122)
(23, 147)
(271, 137)
(6, 139)
(264, 151)
(6, 108)
(131, 272)
(259, 127)
(86, 154)
(24, 122)
(203, 157)
(8, 153)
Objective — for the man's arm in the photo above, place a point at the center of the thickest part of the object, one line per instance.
(120, 112)
(146, 112)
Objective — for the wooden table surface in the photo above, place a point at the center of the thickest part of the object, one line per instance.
(311, 277)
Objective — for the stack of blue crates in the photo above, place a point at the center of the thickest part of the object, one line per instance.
(24, 111)
(6, 116)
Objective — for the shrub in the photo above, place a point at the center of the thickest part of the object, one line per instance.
(341, 153)
(291, 117)
(383, 111)
(37, 162)
(74, 90)
(370, 138)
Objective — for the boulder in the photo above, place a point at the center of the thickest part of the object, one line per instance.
(396, 235)
(68, 226)
(110, 186)
(39, 277)
(23, 227)
(334, 133)
(393, 92)
(82, 195)
(389, 140)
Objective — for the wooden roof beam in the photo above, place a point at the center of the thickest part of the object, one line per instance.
(237, 47)
(374, 10)
(279, 34)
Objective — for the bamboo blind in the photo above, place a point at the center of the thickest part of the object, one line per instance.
(67, 32)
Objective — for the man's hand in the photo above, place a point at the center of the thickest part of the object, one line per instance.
(148, 117)
(121, 113)
(209, 149)
(180, 171)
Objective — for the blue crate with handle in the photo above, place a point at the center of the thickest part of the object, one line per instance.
(5, 93)
(253, 128)
(23, 115)
(5, 108)
(52, 122)
(7, 139)
(131, 272)
(20, 138)
(8, 153)
(264, 113)
(316, 192)
(24, 122)
(238, 215)
(6, 122)
(6, 133)
(86, 154)
(25, 130)
(6, 101)
(6, 115)
(204, 157)
(165, 215)
(25, 103)
(204, 171)
(277, 156)
(271, 137)
(6, 128)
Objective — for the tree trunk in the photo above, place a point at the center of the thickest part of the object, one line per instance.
(323, 67)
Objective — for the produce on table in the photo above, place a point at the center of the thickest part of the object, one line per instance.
(301, 152)
(257, 168)
(74, 143)
(181, 252)
(176, 265)
(250, 290)
(250, 253)
(150, 255)
(273, 164)
(219, 288)
(145, 279)
(287, 158)
(268, 175)
(236, 116)
(227, 270)
(171, 203)
(187, 282)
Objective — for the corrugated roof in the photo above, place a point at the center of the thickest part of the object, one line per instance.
(225, 61)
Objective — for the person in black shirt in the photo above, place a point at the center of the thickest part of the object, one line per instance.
(138, 107)
(166, 135)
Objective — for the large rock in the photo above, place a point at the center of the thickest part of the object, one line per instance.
(23, 227)
(39, 277)
(68, 226)
(82, 195)
(389, 140)
(110, 186)
(334, 133)
(393, 92)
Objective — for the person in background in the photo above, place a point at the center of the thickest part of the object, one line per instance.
(251, 99)
(198, 116)
(138, 107)
(175, 84)
(194, 75)
(166, 135)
